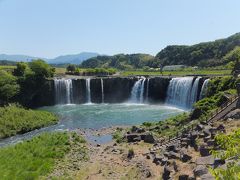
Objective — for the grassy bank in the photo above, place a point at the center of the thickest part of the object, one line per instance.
(17, 120)
(37, 157)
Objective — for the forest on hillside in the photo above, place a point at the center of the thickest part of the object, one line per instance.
(208, 54)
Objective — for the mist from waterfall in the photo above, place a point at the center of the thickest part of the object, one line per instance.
(204, 89)
(88, 90)
(102, 89)
(63, 91)
(183, 92)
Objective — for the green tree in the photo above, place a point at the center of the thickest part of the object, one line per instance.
(8, 87)
(234, 56)
(20, 70)
(71, 68)
(41, 69)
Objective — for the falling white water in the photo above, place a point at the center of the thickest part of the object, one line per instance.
(147, 92)
(63, 91)
(88, 90)
(179, 92)
(204, 89)
(137, 93)
(102, 88)
(194, 91)
(142, 90)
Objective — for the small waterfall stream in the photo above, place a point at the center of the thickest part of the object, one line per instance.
(63, 91)
(142, 91)
(204, 89)
(102, 88)
(147, 92)
(183, 92)
(194, 91)
(137, 93)
(88, 90)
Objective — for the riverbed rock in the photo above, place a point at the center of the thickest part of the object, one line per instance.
(235, 114)
(172, 155)
(200, 170)
(133, 137)
(185, 157)
(183, 177)
(149, 139)
(157, 159)
(166, 173)
(204, 150)
(207, 160)
(207, 176)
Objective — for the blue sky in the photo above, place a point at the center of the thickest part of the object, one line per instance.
(48, 28)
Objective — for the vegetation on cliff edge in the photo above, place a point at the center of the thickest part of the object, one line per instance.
(17, 120)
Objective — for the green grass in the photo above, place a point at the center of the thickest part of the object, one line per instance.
(17, 120)
(7, 68)
(37, 157)
(178, 73)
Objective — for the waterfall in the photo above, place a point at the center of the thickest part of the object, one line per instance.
(194, 91)
(147, 90)
(137, 92)
(102, 88)
(182, 92)
(204, 89)
(142, 90)
(63, 91)
(88, 90)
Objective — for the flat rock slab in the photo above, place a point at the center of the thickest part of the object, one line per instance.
(207, 160)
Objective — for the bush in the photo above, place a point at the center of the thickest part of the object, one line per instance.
(17, 120)
(230, 145)
(8, 87)
(118, 136)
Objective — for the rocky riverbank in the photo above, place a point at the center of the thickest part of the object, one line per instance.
(137, 157)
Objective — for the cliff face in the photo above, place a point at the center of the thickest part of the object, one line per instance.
(115, 90)
(158, 89)
(45, 96)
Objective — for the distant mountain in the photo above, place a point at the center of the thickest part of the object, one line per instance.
(73, 59)
(18, 58)
(66, 59)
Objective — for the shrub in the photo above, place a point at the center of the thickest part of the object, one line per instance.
(230, 145)
(17, 120)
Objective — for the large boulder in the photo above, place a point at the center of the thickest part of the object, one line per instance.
(149, 139)
(207, 176)
(183, 177)
(133, 137)
(204, 150)
(200, 170)
(157, 159)
(185, 157)
(207, 160)
(167, 172)
(172, 155)
(172, 147)
(235, 114)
